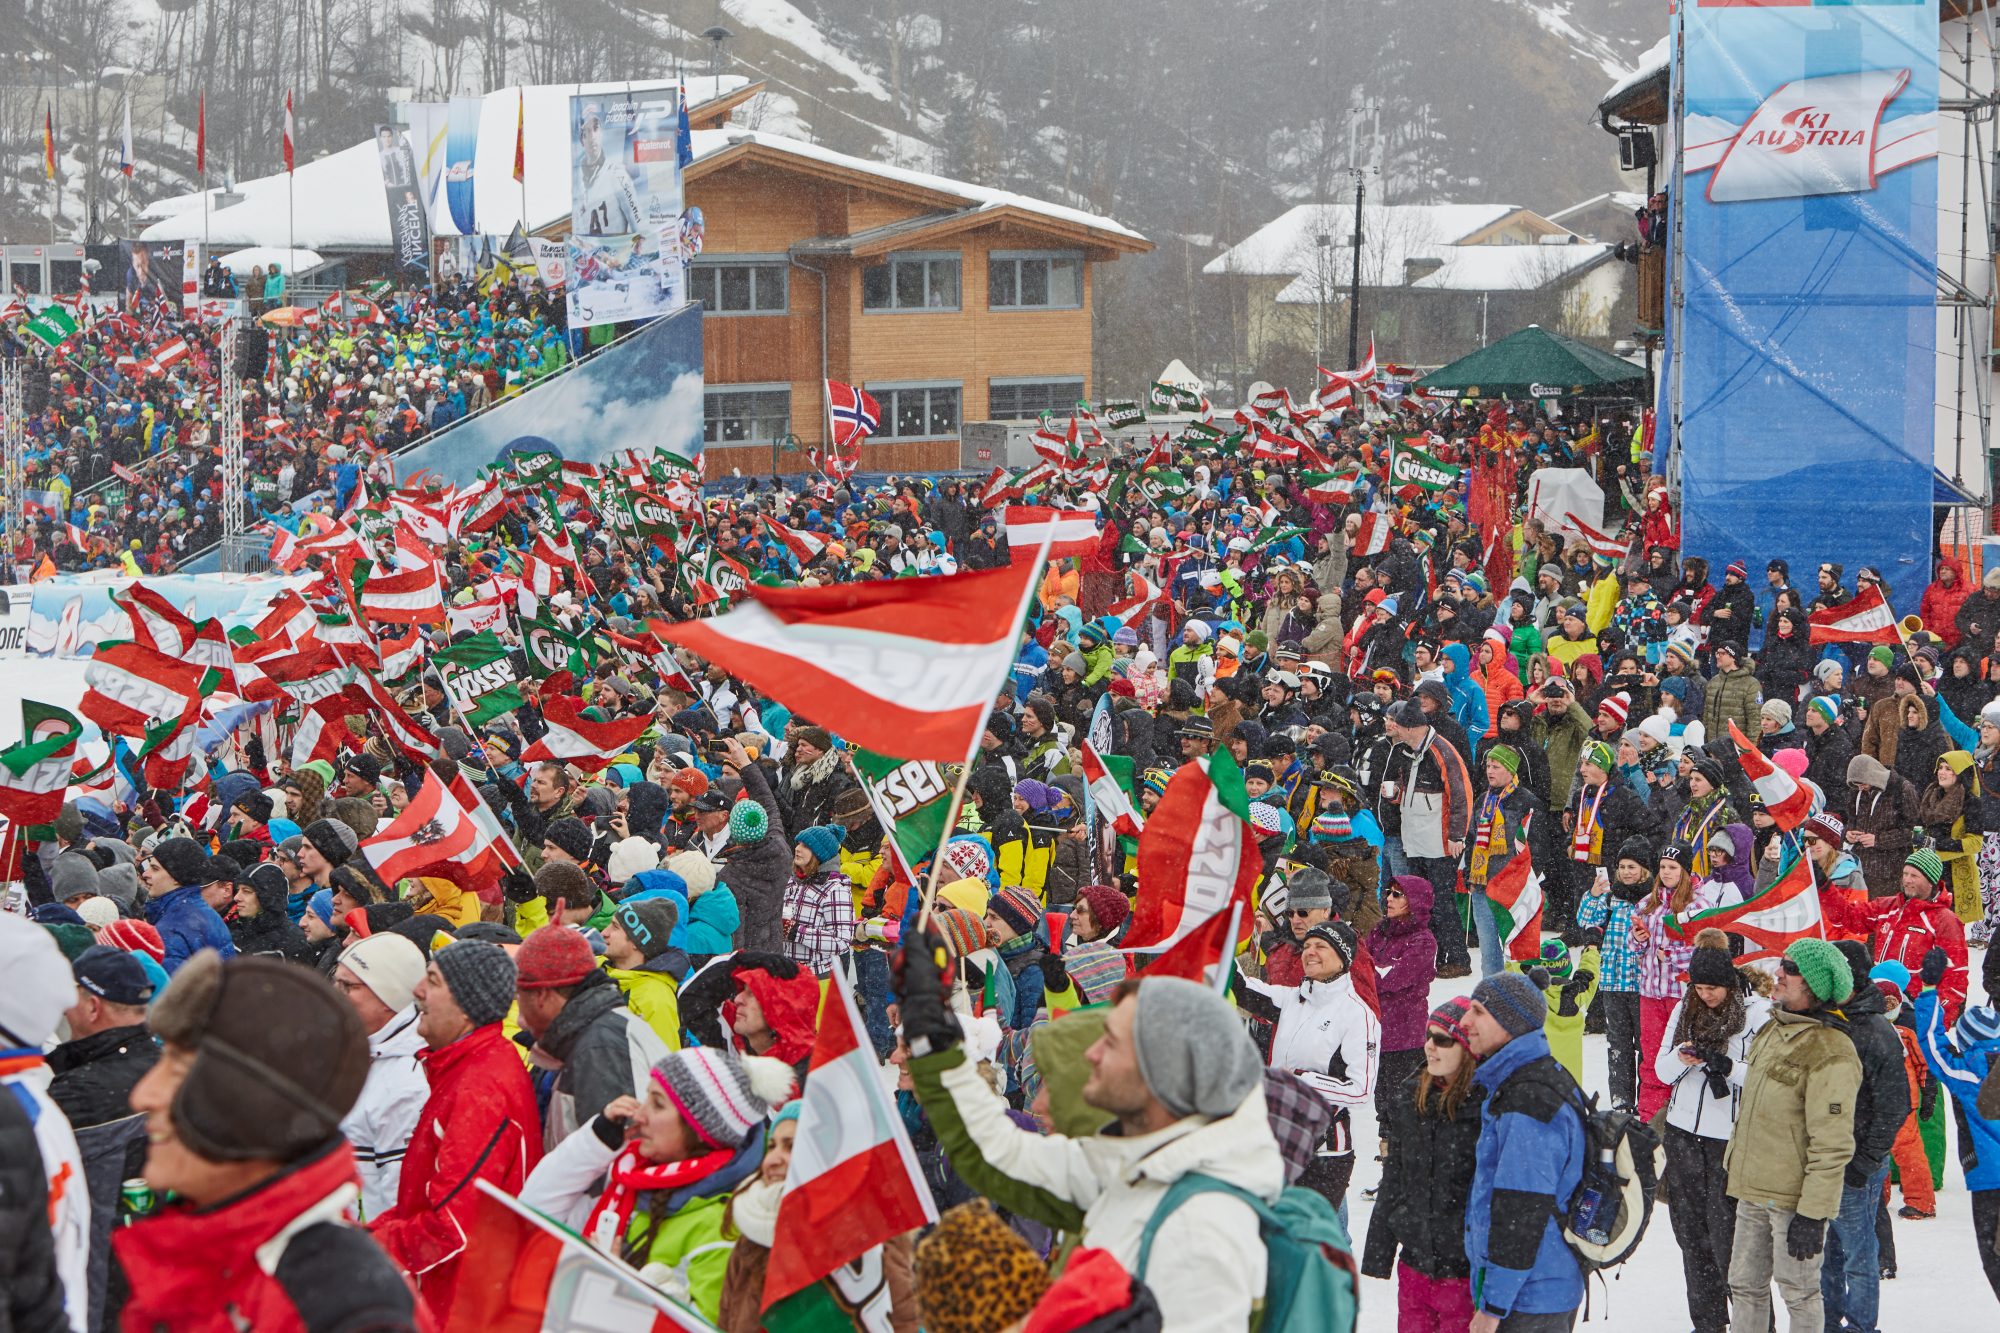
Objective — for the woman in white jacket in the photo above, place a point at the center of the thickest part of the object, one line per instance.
(1330, 1038)
(1702, 1062)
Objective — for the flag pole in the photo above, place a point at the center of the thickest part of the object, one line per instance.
(972, 747)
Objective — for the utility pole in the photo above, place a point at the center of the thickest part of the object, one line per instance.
(1354, 290)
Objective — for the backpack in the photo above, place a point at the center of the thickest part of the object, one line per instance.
(1622, 1160)
(1310, 1278)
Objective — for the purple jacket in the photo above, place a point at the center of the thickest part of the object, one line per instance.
(1405, 956)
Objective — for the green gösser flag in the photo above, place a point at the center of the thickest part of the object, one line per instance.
(52, 327)
(478, 674)
(912, 800)
(1411, 466)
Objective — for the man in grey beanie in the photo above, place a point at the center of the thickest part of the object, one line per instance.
(1185, 1085)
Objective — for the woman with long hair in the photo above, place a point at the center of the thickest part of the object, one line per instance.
(1663, 956)
(1417, 1231)
(1702, 1065)
(1949, 812)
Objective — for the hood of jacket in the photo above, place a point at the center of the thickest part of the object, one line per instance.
(791, 1010)
(646, 806)
(1460, 659)
(1417, 892)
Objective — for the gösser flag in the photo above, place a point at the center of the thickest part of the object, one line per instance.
(903, 666)
(1411, 466)
(1865, 617)
(1027, 525)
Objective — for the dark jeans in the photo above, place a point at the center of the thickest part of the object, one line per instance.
(1850, 1277)
(1446, 922)
(1885, 1238)
(1329, 1176)
(1560, 1322)
(1704, 1220)
(1986, 1234)
(872, 987)
(1621, 1044)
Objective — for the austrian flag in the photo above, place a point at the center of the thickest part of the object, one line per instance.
(1028, 525)
(575, 739)
(437, 835)
(1865, 617)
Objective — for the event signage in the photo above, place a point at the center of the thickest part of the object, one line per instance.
(409, 221)
(625, 246)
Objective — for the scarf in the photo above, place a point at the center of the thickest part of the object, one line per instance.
(1586, 842)
(632, 1175)
(1490, 838)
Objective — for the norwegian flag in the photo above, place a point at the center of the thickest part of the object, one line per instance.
(574, 739)
(804, 546)
(1372, 537)
(854, 414)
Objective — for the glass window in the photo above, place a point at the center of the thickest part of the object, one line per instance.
(746, 415)
(739, 289)
(65, 276)
(911, 282)
(1026, 400)
(26, 276)
(925, 412)
(1027, 280)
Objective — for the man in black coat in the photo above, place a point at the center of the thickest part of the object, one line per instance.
(31, 1292)
(109, 1049)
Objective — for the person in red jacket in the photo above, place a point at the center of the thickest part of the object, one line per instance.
(1904, 929)
(1948, 591)
(479, 1124)
(261, 1060)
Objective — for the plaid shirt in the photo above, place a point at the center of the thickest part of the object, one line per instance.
(1299, 1119)
(1620, 964)
(819, 920)
(1664, 957)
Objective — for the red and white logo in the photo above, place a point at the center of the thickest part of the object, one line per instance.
(1828, 134)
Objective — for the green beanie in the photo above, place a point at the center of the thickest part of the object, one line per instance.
(1824, 968)
(1555, 960)
(1602, 755)
(747, 822)
(1882, 653)
(1927, 863)
(1507, 757)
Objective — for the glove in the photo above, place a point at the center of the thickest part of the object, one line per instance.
(1805, 1237)
(1567, 997)
(518, 886)
(1935, 962)
(1718, 1064)
(1593, 938)
(1927, 1099)
(922, 972)
(1055, 976)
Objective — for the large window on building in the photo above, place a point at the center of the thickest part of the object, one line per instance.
(1034, 280)
(1024, 399)
(911, 282)
(746, 413)
(740, 286)
(917, 411)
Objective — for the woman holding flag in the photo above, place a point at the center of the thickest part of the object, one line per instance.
(1663, 960)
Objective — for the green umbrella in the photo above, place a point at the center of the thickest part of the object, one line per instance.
(1533, 363)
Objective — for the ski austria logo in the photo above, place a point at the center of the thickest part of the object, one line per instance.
(1826, 134)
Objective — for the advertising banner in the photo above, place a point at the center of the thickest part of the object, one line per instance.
(152, 269)
(191, 265)
(484, 260)
(1807, 357)
(625, 207)
(429, 126)
(409, 223)
(461, 153)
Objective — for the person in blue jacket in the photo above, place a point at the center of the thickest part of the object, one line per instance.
(1965, 1063)
(1468, 700)
(174, 873)
(1528, 1165)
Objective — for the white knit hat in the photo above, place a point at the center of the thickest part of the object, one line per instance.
(388, 964)
(629, 857)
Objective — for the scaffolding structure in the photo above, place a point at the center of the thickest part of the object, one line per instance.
(1969, 197)
(229, 423)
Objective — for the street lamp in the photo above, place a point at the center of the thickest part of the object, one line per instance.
(715, 37)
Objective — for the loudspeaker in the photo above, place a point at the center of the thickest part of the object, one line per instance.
(35, 387)
(1637, 149)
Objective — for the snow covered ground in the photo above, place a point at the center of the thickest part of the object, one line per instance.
(1939, 1287)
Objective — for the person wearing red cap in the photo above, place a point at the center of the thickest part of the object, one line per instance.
(577, 1018)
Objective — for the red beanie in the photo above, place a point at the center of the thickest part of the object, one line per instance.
(553, 956)
(1108, 907)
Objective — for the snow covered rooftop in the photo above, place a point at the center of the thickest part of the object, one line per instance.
(336, 202)
(1475, 268)
(1649, 66)
(707, 143)
(263, 256)
(1391, 233)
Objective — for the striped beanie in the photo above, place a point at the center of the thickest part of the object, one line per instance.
(134, 936)
(1978, 1025)
(1449, 1018)
(1927, 863)
(1332, 826)
(963, 932)
(1018, 907)
(1826, 706)
(1618, 707)
(723, 1095)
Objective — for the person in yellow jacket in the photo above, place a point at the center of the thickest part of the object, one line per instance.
(639, 955)
(1602, 603)
(446, 899)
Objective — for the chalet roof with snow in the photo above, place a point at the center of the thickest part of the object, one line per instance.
(1391, 233)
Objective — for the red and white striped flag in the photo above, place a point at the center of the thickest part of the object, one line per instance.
(854, 1181)
(1372, 537)
(156, 622)
(1110, 798)
(902, 666)
(1139, 603)
(1787, 911)
(130, 687)
(997, 490)
(435, 835)
(412, 598)
(1027, 526)
(1785, 801)
(482, 613)
(1599, 543)
(804, 546)
(288, 129)
(1865, 617)
(408, 734)
(575, 739)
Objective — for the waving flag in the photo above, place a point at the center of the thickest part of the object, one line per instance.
(1785, 801)
(1144, 595)
(853, 413)
(1113, 803)
(1515, 890)
(432, 836)
(288, 129)
(1075, 531)
(412, 598)
(1865, 617)
(854, 1181)
(904, 666)
(1599, 543)
(127, 162)
(804, 546)
(1329, 488)
(130, 688)
(1198, 862)
(35, 774)
(1786, 911)
(1372, 537)
(575, 739)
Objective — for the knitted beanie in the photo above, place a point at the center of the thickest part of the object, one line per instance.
(972, 895)
(1507, 757)
(388, 965)
(690, 780)
(1928, 864)
(1555, 960)
(1600, 755)
(321, 906)
(1515, 1002)
(183, 859)
(1018, 907)
(331, 839)
(823, 841)
(1340, 937)
(1192, 1049)
(1824, 968)
(135, 936)
(560, 879)
(1108, 907)
(747, 822)
(630, 856)
(1826, 826)
(974, 1273)
(963, 932)
(722, 1095)
(552, 956)
(649, 923)
(1826, 706)
(480, 977)
(1618, 707)
(1449, 1018)
(1710, 964)
(1778, 711)
(572, 835)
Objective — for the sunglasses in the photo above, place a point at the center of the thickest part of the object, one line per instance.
(1392, 893)
(1303, 911)
(1789, 968)
(1436, 1038)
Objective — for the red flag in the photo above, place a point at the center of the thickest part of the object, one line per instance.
(573, 738)
(1198, 861)
(1865, 617)
(521, 139)
(1785, 801)
(288, 129)
(903, 666)
(853, 413)
(1786, 911)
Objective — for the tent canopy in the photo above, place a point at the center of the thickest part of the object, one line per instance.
(1533, 363)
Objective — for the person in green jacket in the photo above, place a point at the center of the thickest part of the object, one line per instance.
(668, 1162)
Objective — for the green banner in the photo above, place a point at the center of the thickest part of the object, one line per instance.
(479, 676)
(1119, 415)
(52, 327)
(551, 648)
(1173, 398)
(1411, 466)
(911, 798)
